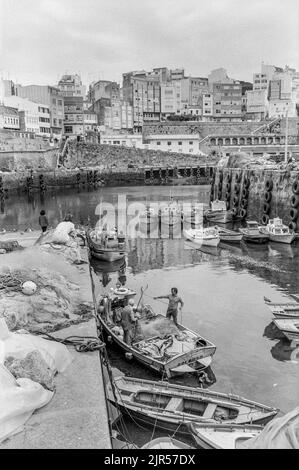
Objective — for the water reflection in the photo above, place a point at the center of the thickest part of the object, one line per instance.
(272, 332)
(285, 350)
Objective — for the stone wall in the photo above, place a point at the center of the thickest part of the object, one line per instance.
(29, 159)
(257, 200)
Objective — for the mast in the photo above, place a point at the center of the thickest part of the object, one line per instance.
(286, 139)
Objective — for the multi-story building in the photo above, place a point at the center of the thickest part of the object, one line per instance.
(28, 113)
(177, 74)
(257, 105)
(170, 99)
(104, 94)
(9, 118)
(283, 94)
(71, 85)
(227, 101)
(119, 117)
(44, 121)
(73, 116)
(207, 107)
(90, 121)
(218, 76)
(51, 98)
(197, 87)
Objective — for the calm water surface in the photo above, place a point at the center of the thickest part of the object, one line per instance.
(222, 289)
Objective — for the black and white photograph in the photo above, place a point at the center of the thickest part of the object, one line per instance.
(149, 228)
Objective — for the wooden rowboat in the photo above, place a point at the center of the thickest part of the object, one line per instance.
(289, 327)
(177, 350)
(283, 309)
(170, 406)
(223, 436)
(166, 443)
(229, 236)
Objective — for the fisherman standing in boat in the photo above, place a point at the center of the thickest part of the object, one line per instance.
(173, 306)
(128, 322)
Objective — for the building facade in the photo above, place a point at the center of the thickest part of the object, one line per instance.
(9, 118)
(71, 85)
(227, 101)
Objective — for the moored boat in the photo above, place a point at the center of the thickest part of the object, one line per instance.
(106, 246)
(278, 232)
(252, 234)
(223, 436)
(158, 344)
(170, 406)
(289, 327)
(203, 236)
(218, 212)
(166, 443)
(229, 236)
(289, 308)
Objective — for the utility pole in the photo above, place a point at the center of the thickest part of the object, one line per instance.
(286, 139)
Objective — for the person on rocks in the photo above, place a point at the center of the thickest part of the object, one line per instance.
(43, 221)
(173, 305)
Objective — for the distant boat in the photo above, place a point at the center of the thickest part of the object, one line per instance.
(218, 213)
(223, 436)
(289, 327)
(278, 232)
(166, 443)
(112, 249)
(229, 236)
(252, 233)
(170, 406)
(203, 236)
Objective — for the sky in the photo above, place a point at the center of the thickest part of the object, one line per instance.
(40, 40)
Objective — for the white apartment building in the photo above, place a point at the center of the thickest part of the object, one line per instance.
(207, 106)
(257, 104)
(170, 98)
(28, 113)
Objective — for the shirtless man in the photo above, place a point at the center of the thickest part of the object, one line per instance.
(173, 306)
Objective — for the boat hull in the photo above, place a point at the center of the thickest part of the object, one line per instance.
(258, 240)
(205, 241)
(222, 217)
(230, 238)
(287, 239)
(107, 255)
(223, 436)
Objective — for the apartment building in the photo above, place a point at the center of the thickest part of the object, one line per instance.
(9, 118)
(227, 101)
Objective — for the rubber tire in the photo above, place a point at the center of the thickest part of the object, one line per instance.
(236, 200)
(229, 178)
(227, 204)
(295, 187)
(234, 212)
(266, 208)
(237, 178)
(244, 203)
(265, 219)
(244, 193)
(268, 196)
(269, 185)
(227, 196)
(293, 226)
(243, 213)
(228, 187)
(294, 214)
(237, 188)
(294, 201)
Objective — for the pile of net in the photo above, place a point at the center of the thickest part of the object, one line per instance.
(54, 304)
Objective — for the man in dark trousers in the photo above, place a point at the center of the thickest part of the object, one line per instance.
(43, 221)
(173, 305)
(128, 322)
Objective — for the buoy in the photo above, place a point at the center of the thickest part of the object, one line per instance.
(129, 356)
(29, 288)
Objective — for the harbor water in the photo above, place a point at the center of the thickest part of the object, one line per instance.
(222, 289)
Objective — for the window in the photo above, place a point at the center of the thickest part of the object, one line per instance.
(168, 143)
(158, 143)
(68, 129)
(59, 102)
(191, 143)
(180, 143)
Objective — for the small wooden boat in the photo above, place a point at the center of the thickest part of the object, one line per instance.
(223, 436)
(166, 443)
(229, 236)
(252, 233)
(110, 249)
(158, 344)
(278, 232)
(170, 406)
(289, 308)
(219, 213)
(289, 327)
(203, 236)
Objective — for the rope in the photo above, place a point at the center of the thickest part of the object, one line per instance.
(81, 343)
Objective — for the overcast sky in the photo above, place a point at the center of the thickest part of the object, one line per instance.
(42, 39)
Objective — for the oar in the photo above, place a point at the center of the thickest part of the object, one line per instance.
(141, 295)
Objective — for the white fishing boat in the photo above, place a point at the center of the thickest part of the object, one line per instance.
(289, 327)
(229, 236)
(223, 436)
(218, 213)
(203, 236)
(158, 343)
(252, 234)
(278, 232)
(166, 443)
(290, 309)
(170, 406)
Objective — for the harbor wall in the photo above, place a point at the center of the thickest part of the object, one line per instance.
(22, 160)
(259, 194)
